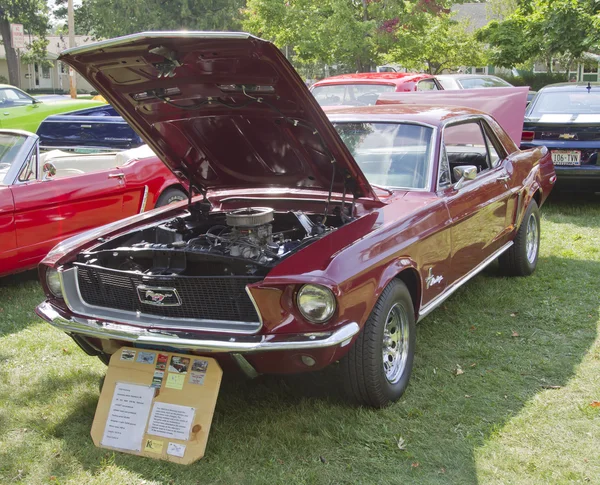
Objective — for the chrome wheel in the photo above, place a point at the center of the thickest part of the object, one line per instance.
(395, 343)
(531, 238)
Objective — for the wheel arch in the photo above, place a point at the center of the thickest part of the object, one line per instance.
(405, 270)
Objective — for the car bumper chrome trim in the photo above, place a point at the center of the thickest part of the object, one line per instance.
(199, 342)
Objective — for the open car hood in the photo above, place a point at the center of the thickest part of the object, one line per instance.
(221, 109)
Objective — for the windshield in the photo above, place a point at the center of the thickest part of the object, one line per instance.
(395, 155)
(10, 97)
(350, 94)
(567, 104)
(9, 148)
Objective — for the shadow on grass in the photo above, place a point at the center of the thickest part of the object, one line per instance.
(19, 295)
(511, 338)
(580, 209)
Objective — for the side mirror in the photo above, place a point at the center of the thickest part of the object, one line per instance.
(48, 171)
(462, 173)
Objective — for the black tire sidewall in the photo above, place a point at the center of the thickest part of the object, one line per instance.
(398, 294)
(170, 196)
(529, 267)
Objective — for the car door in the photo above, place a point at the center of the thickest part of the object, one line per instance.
(48, 211)
(8, 239)
(478, 208)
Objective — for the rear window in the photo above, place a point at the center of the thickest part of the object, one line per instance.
(565, 103)
(482, 82)
(390, 154)
(350, 94)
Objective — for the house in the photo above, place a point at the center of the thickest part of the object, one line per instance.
(55, 79)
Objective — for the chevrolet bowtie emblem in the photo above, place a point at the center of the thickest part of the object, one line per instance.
(567, 136)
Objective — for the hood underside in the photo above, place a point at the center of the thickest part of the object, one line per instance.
(222, 109)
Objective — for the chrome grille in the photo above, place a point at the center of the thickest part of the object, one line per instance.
(220, 298)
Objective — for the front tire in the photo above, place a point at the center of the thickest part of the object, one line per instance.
(521, 258)
(377, 369)
(170, 196)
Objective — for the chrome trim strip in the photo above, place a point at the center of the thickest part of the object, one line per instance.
(72, 148)
(144, 199)
(76, 303)
(183, 340)
(433, 304)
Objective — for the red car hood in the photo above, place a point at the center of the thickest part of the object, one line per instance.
(223, 109)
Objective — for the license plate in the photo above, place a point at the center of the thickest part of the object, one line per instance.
(563, 157)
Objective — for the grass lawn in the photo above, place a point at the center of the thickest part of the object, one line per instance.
(520, 412)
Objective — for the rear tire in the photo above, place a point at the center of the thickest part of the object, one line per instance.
(170, 196)
(376, 370)
(521, 258)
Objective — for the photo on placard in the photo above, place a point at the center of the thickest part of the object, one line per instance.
(199, 365)
(179, 364)
(128, 355)
(145, 357)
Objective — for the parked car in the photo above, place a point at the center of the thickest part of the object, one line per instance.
(97, 128)
(363, 89)
(49, 197)
(476, 81)
(471, 81)
(316, 240)
(565, 118)
(23, 112)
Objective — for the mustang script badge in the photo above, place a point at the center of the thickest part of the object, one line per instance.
(155, 295)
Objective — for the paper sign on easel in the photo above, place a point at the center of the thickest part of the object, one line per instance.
(157, 404)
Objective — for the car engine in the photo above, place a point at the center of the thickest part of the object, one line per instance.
(241, 241)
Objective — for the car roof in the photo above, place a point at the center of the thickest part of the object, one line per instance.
(374, 78)
(432, 115)
(569, 86)
(465, 76)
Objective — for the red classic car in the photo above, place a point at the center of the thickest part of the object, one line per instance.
(317, 239)
(363, 88)
(45, 198)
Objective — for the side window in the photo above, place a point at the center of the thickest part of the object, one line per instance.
(427, 85)
(466, 145)
(29, 169)
(444, 178)
(495, 149)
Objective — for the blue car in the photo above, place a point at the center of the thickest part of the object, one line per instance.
(566, 118)
(98, 128)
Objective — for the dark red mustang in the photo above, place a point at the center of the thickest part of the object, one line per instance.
(317, 238)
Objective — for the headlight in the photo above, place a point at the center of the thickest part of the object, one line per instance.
(53, 282)
(316, 303)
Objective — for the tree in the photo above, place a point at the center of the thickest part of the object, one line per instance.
(113, 18)
(438, 43)
(543, 29)
(354, 34)
(33, 14)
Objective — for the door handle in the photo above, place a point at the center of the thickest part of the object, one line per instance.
(503, 178)
(119, 175)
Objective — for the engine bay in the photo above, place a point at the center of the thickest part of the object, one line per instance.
(246, 241)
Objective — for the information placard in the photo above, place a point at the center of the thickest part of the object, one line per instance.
(157, 404)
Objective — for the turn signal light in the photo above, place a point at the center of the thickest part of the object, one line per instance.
(528, 136)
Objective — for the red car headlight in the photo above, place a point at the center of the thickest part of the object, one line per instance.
(316, 303)
(53, 282)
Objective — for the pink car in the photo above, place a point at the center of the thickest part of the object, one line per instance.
(363, 89)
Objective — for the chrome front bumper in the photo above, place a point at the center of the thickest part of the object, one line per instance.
(192, 341)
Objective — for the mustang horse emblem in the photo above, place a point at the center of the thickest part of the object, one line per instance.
(158, 296)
